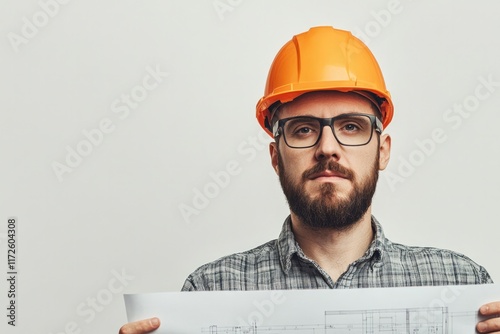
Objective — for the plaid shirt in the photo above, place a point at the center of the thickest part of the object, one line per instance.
(281, 264)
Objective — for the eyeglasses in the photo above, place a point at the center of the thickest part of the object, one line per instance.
(348, 129)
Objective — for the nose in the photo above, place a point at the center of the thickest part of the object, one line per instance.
(327, 146)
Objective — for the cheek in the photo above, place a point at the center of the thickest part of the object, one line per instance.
(366, 164)
(295, 164)
(361, 164)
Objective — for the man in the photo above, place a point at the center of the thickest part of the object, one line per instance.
(326, 105)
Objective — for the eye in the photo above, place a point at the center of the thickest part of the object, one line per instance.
(302, 127)
(351, 127)
(303, 130)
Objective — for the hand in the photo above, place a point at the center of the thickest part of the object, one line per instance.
(140, 327)
(492, 324)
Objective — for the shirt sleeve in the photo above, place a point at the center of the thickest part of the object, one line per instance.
(189, 285)
(485, 276)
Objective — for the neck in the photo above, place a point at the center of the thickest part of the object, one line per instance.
(331, 249)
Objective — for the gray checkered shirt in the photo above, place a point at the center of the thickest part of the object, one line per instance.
(281, 264)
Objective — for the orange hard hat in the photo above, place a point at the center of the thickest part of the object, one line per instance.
(323, 58)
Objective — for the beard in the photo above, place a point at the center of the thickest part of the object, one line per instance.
(328, 211)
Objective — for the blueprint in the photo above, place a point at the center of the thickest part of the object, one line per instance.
(414, 310)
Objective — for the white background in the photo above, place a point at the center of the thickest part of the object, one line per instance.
(118, 211)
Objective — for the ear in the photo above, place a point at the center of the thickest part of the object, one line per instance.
(385, 151)
(273, 151)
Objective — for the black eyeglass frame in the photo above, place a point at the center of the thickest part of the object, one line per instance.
(375, 123)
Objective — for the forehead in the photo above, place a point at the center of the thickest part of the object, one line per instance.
(326, 104)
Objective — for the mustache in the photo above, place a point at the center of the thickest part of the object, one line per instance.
(328, 165)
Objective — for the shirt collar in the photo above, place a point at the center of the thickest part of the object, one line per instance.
(288, 246)
(375, 252)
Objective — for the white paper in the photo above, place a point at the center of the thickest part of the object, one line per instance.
(422, 310)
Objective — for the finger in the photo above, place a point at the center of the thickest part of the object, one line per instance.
(488, 326)
(490, 309)
(140, 327)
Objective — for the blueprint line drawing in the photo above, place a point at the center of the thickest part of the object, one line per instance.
(389, 321)
(430, 320)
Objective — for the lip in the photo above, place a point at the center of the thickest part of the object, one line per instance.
(327, 175)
